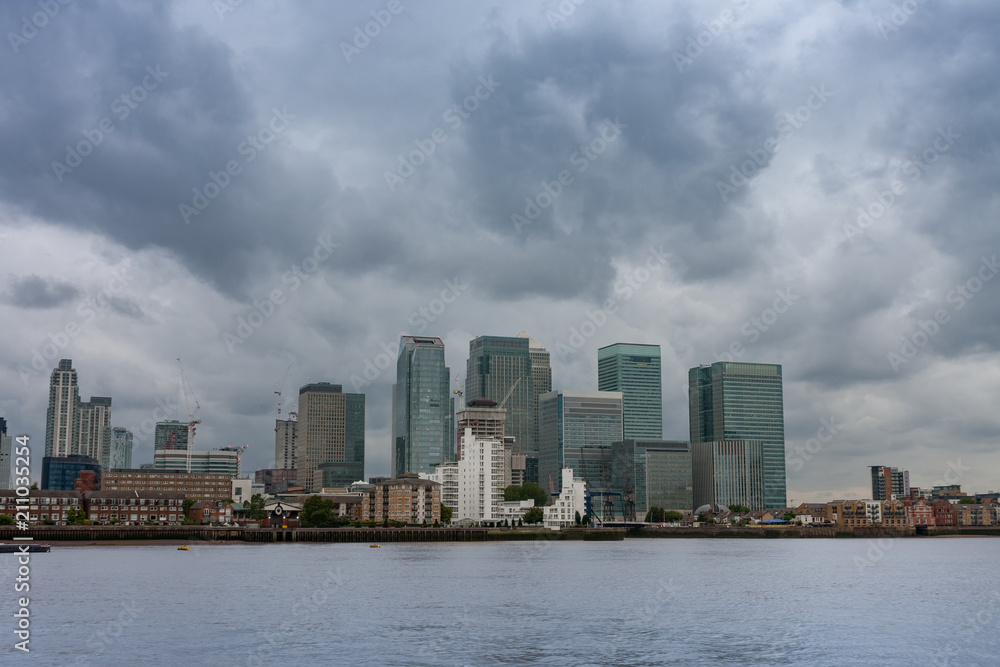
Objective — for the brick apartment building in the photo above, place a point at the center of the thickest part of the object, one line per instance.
(134, 508)
(405, 499)
(195, 485)
(42, 505)
(208, 511)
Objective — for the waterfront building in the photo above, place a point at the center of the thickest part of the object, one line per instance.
(499, 369)
(196, 485)
(944, 512)
(737, 429)
(480, 478)
(284, 444)
(654, 473)
(861, 513)
(920, 513)
(118, 453)
(446, 474)
(405, 499)
(43, 505)
(890, 483)
(211, 511)
(562, 511)
(577, 430)
(634, 370)
(59, 473)
(171, 434)
(423, 427)
(513, 511)
(977, 514)
(224, 461)
(134, 508)
(331, 428)
(273, 478)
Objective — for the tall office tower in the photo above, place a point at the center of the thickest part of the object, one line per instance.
(92, 421)
(284, 444)
(331, 429)
(119, 451)
(60, 422)
(737, 434)
(577, 430)
(499, 369)
(541, 376)
(171, 434)
(6, 450)
(890, 483)
(422, 410)
(657, 472)
(634, 370)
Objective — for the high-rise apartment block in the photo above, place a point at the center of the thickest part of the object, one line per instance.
(890, 483)
(118, 454)
(73, 427)
(284, 444)
(737, 434)
(171, 434)
(93, 419)
(331, 428)
(423, 424)
(577, 430)
(481, 478)
(634, 370)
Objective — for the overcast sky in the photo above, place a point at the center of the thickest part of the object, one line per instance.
(691, 175)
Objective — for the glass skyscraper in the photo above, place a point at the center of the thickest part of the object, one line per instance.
(499, 368)
(577, 430)
(634, 370)
(738, 432)
(330, 429)
(422, 410)
(658, 472)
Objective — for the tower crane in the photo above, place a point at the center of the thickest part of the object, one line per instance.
(280, 388)
(193, 420)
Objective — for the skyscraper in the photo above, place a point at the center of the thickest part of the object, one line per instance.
(657, 472)
(499, 369)
(577, 430)
(93, 420)
(171, 434)
(331, 429)
(738, 434)
(634, 370)
(60, 427)
(541, 376)
(422, 409)
(890, 483)
(284, 444)
(119, 450)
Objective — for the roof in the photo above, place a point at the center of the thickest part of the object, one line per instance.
(43, 493)
(156, 495)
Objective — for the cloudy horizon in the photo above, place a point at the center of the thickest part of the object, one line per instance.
(259, 188)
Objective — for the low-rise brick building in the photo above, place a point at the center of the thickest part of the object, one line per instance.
(976, 515)
(861, 513)
(42, 505)
(211, 511)
(944, 513)
(134, 508)
(405, 499)
(920, 513)
(194, 485)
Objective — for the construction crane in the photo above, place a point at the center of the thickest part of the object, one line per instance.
(509, 392)
(193, 420)
(279, 389)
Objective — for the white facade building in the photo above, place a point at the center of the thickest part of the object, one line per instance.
(512, 510)
(572, 499)
(446, 474)
(480, 479)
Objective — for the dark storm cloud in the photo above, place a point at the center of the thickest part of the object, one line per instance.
(37, 292)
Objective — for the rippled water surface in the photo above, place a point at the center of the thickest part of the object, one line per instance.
(638, 602)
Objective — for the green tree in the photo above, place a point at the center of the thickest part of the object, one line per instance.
(34, 486)
(316, 513)
(789, 516)
(672, 516)
(254, 508)
(446, 513)
(739, 509)
(534, 515)
(76, 517)
(579, 519)
(527, 491)
(6, 520)
(655, 515)
(585, 520)
(188, 502)
(967, 501)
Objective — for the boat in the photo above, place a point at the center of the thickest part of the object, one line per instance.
(184, 548)
(374, 546)
(18, 548)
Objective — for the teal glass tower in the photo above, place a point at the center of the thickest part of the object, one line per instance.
(634, 370)
(577, 430)
(500, 369)
(737, 417)
(422, 414)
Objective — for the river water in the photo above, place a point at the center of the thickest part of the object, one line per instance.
(932, 601)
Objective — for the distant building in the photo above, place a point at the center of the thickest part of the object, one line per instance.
(634, 370)
(484, 417)
(340, 475)
(217, 461)
(562, 512)
(499, 369)
(6, 450)
(577, 430)
(211, 511)
(119, 450)
(423, 427)
(405, 499)
(93, 423)
(656, 472)
(45, 505)
(890, 483)
(59, 473)
(172, 435)
(134, 508)
(242, 490)
(446, 474)
(331, 428)
(862, 513)
(60, 422)
(272, 478)
(284, 444)
(541, 377)
(738, 431)
(199, 486)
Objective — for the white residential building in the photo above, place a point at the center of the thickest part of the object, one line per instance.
(480, 478)
(446, 474)
(512, 510)
(571, 500)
